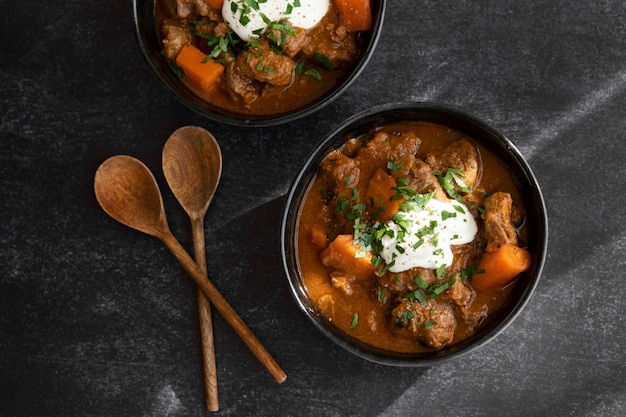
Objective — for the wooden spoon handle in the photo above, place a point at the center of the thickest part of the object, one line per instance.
(206, 321)
(225, 309)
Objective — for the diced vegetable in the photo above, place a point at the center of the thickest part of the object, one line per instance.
(200, 70)
(215, 4)
(318, 237)
(381, 192)
(501, 266)
(356, 15)
(342, 254)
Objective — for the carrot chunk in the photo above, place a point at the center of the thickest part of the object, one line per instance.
(202, 74)
(356, 15)
(342, 254)
(318, 237)
(380, 191)
(501, 266)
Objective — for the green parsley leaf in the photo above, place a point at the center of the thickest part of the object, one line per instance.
(416, 295)
(420, 282)
(355, 321)
(325, 61)
(393, 166)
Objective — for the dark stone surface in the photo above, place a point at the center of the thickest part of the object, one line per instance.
(99, 320)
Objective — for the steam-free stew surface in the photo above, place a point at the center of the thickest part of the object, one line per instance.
(374, 308)
(281, 70)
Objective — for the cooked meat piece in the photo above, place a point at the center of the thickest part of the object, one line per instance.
(461, 155)
(371, 320)
(174, 38)
(186, 8)
(377, 150)
(403, 144)
(420, 175)
(262, 64)
(474, 315)
(460, 293)
(432, 324)
(340, 171)
(331, 40)
(497, 216)
(385, 147)
(240, 86)
(327, 303)
(207, 26)
(342, 281)
(289, 44)
(403, 282)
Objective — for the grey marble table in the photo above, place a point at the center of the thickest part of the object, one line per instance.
(99, 320)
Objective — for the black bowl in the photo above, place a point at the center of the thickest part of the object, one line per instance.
(480, 132)
(147, 36)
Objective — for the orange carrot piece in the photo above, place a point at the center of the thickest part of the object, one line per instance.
(202, 74)
(501, 266)
(356, 15)
(341, 255)
(380, 191)
(215, 4)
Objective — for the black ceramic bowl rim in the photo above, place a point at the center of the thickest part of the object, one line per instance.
(502, 147)
(147, 37)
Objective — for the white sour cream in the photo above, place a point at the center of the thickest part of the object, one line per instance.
(304, 16)
(429, 235)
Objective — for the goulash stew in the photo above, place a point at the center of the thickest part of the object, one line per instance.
(411, 237)
(261, 57)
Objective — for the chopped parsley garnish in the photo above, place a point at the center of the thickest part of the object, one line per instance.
(323, 59)
(392, 165)
(380, 294)
(468, 273)
(355, 321)
(453, 176)
(416, 295)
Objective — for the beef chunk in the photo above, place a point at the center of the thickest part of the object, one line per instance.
(460, 293)
(343, 281)
(340, 171)
(421, 176)
(213, 27)
(239, 85)
(473, 315)
(291, 45)
(432, 324)
(262, 64)
(331, 40)
(385, 146)
(258, 71)
(403, 282)
(174, 38)
(186, 8)
(461, 155)
(497, 216)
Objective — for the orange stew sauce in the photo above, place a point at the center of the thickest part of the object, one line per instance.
(261, 90)
(374, 327)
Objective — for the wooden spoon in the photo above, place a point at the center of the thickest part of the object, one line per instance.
(127, 191)
(192, 164)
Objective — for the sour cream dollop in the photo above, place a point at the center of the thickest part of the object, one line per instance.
(424, 237)
(305, 15)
